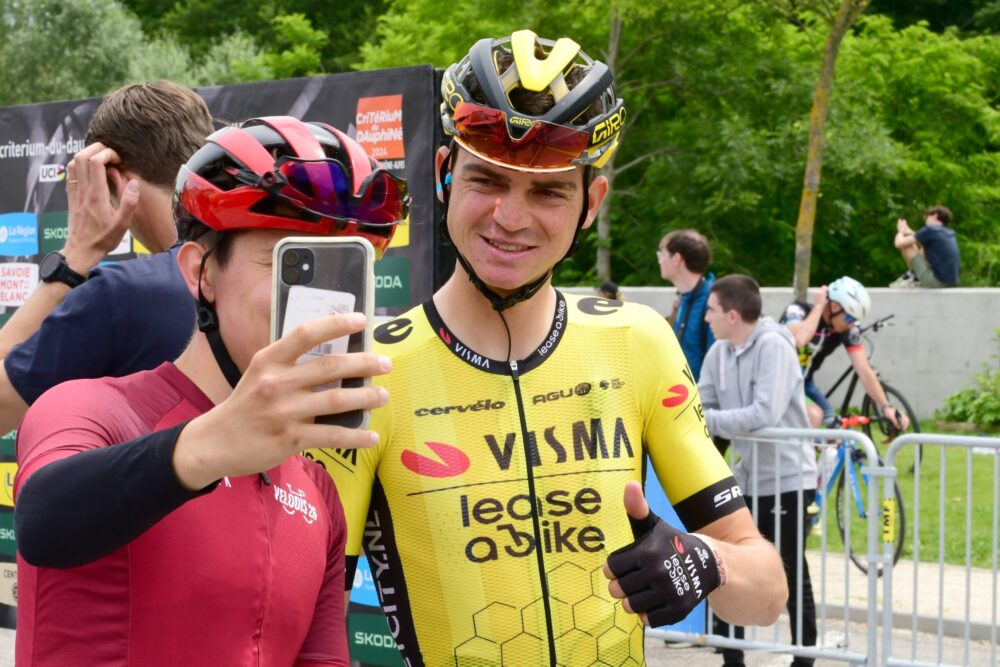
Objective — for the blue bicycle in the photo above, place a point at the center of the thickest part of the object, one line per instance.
(852, 496)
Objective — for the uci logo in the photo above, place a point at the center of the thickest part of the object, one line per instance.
(51, 173)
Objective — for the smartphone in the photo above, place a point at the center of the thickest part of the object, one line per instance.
(318, 276)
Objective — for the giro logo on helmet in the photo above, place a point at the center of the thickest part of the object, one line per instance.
(450, 92)
(608, 128)
(517, 120)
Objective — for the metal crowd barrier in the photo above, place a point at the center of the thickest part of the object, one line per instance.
(980, 584)
(837, 620)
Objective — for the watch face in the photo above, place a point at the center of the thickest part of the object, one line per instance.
(50, 265)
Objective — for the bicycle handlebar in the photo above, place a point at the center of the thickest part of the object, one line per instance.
(852, 421)
(878, 324)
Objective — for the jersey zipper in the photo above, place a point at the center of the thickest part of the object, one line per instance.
(266, 583)
(539, 556)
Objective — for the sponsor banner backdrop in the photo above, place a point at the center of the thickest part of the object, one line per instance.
(370, 639)
(393, 113)
(7, 546)
(7, 445)
(18, 234)
(53, 231)
(17, 282)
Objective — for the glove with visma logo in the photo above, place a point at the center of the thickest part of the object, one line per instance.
(665, 573)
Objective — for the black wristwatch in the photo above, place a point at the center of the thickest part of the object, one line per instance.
(54, 268)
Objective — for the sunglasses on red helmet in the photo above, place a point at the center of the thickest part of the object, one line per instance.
(324, 188)
(544, 146)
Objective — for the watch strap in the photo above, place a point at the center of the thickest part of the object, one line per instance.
(64, 274)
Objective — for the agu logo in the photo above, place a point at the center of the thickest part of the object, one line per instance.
(451, 461)
(51, 173)
(18, 234)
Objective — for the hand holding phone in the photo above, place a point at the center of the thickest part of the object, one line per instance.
(270, 414)
(319, 276)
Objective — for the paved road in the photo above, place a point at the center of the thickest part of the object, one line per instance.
(657, 652)
(952, 651)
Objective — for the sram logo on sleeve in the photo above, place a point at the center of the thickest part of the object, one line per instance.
(727, 495)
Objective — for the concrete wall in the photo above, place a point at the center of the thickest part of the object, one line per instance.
(937, 341)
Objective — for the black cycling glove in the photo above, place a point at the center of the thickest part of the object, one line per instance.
(665, 573)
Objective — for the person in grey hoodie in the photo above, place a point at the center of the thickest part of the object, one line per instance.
(751, 379)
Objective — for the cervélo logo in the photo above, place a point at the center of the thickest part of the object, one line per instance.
(451, 461)
(51, 173)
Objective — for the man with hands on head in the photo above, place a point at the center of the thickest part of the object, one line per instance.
(494, 497)
(85, 321)
(167, 512)
(834, 320)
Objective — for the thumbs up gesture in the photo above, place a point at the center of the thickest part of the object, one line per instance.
(664, 573)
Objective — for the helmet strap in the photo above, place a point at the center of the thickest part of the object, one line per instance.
(528, 290)
(208, 324)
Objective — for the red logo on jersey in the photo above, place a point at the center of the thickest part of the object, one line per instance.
(445, 336)
(678, 394)
(453, 461)
(678, 545)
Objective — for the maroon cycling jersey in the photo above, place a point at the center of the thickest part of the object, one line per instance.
(247, 574)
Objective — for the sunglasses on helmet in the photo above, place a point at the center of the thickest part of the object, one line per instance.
(483, 131)
(325, 188)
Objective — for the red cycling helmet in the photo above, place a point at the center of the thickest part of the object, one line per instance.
(278, 172)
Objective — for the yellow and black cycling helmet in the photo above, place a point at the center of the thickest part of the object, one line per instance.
(481, 111)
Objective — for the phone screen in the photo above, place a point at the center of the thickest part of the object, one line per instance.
(315, 277)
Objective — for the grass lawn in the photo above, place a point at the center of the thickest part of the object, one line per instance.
(952, 465)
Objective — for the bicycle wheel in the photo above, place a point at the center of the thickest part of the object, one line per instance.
(879, 432)
(854, 512)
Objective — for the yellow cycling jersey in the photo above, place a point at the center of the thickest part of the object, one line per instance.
(495, 494)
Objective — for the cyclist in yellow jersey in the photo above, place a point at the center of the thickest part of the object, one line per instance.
(492, 509)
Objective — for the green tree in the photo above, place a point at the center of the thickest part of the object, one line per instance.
(234, 59)
(977, 15)
(53, 49)
(299, 53)
(934, 98)
(614, 32)
(99, 45)
(719, 95)
(840, 15)
(201, 24)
